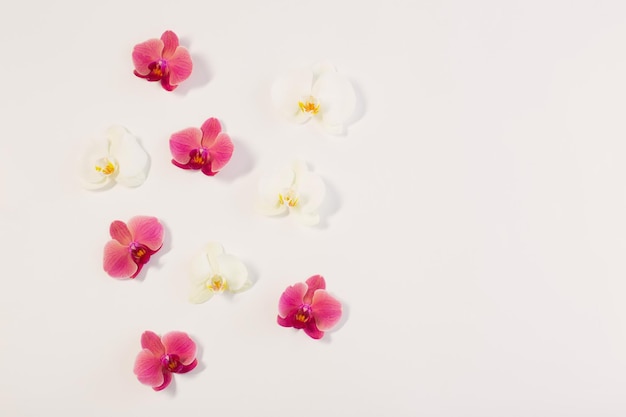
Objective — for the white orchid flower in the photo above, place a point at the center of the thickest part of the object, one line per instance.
(213, 272)
(320, 93)
(115, 158)
(294, 190)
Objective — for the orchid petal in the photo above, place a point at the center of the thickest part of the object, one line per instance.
(117, 261)
(314, 283)
(201, 269)
(146, 53)
(337, 100)
(190, 367)
(119, 231)
(170, 43)
(201, 294)
(179, 343)
(213, 250)
(180, 66)
(312, 330)
(167, 379)
(311, 192)
(221, 151)
(152, 342)
(233, 271)
(291, 299)
(147, 231)
(326, 310)
(305, 219)
(285, 321)
(210, 129)
(132, 159)
(288, 90)
(183, 142)
(148, 369)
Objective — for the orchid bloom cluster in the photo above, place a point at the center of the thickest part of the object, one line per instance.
(308, 306)
(160, 357)
(294, 190)
(319, 93)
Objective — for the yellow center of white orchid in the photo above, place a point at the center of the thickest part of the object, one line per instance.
(105, 166)
(309, 105)
(289, 198)
(217, 283)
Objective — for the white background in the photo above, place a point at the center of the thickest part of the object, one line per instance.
(474, 228)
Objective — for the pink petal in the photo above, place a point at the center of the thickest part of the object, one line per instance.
(179, 343)
(313, 331)
(117, 261)
(146, 53)
(221, 151)
(291, 299)
(326, 310)
(170, 43)
(314, 283)
(148, 369)
(147, 231)
(165, 83)
(180, 66)
(183, 142)
(210, 129)
(167, 378)
(190, 367)
(152, 342)
(119, 231)
(286, 321)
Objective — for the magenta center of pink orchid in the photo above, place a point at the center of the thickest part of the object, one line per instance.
(198, 158)
(304, 314)
(157, 70)
(171, 362)
(140, 253)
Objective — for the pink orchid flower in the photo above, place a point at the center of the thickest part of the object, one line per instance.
(175, 352)
(162, 60)
(207, 149)
(132, 246)
(308, 306)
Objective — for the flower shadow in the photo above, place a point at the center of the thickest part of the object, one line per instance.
(330, 206)
(200, 76)
(360, 108)
(240, 165)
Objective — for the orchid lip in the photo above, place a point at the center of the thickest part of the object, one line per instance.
(140, 253)
(171, 362)
(304, 313)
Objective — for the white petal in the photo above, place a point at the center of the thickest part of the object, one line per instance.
(311, 192)
(322, 67)
(132, 159)
(213, 250)
(201, 269)
(337, 100)
(306, 218)
(200, 294)
(233, 271)
(288, 90)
